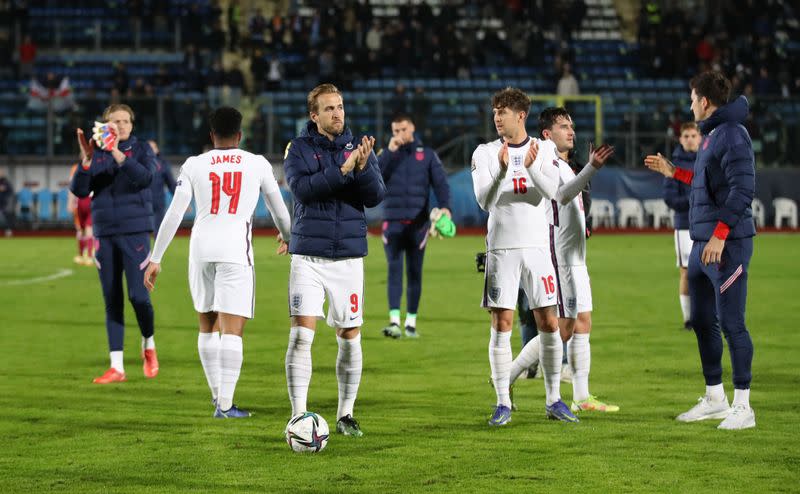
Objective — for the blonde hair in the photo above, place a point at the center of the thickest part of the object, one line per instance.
(313, 106)
(117, 107)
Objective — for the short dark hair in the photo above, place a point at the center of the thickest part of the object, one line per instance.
(549, 116)
(688, 126)
(512, 98)
(402, 117)
(225, 122)
(712, 85)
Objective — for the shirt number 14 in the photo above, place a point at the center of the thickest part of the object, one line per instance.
(231, 185)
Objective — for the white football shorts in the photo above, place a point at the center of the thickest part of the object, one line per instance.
(312, 280)
(223, 287)
(683, 247)
(508, 270)
(574, 291)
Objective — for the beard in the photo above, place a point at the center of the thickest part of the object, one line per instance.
(334, 128)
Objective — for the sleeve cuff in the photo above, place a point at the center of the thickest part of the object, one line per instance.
(683, 175)
(722, 230)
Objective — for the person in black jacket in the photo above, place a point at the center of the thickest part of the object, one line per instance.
(410, 170)
(333, 177)
(122, 215)
(676, 195)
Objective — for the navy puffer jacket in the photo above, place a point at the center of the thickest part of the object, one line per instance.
(676, 193)
(329, 207)
(122, 201)
(724, 175)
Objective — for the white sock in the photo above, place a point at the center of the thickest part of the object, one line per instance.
(580, 358)
(116, 361)
(685, 307)
(528, 357)
(551, 352)
(716, 392)
(348, 373)
(230, 366)
(411, 320)
(741, 397)
(500, 363)
(208, 349)
(148, 343)
(298, 367)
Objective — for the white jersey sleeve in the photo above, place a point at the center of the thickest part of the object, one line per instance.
(516, 210)
(274, 201)
(568, 219)
(173, 217)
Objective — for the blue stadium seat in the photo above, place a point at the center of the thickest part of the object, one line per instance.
(25, 204)
(62, 200)
(44, 199)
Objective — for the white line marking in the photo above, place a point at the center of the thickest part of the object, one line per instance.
(61, 273)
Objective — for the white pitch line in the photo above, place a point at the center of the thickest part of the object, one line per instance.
(61, 273)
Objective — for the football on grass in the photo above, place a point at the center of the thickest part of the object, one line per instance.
(307, 432)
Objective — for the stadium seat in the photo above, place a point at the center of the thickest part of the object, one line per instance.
(602, 213)
(44, 211)
(62, 201)
(25, 204)
(785, 209)
(758, 212)
(660, 212)
(630, 211)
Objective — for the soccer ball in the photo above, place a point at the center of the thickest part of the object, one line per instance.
(307, 432)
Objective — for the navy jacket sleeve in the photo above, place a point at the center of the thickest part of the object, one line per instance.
(308, 186)
(738, 165)
(673, 197)
(371, 187)
(81, 184)
(139, 169)
(388, 161)
(439, 181)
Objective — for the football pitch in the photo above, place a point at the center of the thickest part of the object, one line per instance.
(423, 404)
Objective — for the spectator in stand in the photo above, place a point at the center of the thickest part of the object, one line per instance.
(162, 177)
(399, 102)
(234, 81)
(567, 85)
(764, 84)
(258, 69)
(120, 79)
(256, 26)
(275, 75)
(27, 58)
(234, 18)
(215, 79)
(215, 41)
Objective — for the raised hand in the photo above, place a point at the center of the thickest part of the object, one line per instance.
(660, 164)
(350, 162)
(151, 274)
(502, 156)
(86, 150)
(598, 157)
(530, 156)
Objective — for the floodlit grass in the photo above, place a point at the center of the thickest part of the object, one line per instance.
(423, 404)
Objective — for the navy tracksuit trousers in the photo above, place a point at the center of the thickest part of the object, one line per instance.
(128, 255)
(405, 238)
(718, 293)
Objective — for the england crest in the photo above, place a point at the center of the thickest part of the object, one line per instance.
(297, 300)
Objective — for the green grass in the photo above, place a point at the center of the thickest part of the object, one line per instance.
(423, 404)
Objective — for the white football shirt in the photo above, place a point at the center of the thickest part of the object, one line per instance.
(225, 184)
(568, 222)
(517, 217)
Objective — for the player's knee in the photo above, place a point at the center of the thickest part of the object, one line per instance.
(139, 299)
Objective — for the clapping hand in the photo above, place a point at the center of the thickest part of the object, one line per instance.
(533, 151)
(502, 156)
(364, 150)
(86, 150)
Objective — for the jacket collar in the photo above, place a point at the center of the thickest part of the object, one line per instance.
(339, 142)
(735, 112)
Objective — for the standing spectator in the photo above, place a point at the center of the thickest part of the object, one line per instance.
(258, 68)
(399, 102)
(567, 85)
(27, 57)
(234, 81)
(120, 79)
(122, 216)
(215, 79)
(275, 75)
(234, 18)
(420, 107)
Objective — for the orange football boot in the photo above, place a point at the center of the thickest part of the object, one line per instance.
(112, 375)
(150, 363)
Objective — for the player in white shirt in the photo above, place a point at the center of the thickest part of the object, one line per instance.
(226, 183)
(513, 177)
(568, 250)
